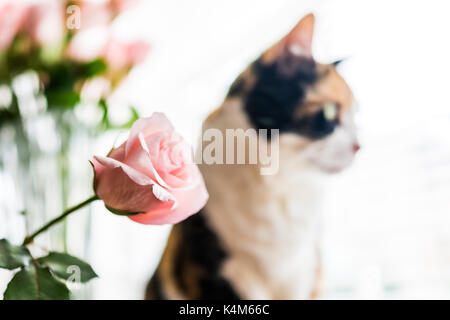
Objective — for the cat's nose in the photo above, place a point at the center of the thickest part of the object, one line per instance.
(356, 147)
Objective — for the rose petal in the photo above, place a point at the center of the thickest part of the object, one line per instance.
(118, 153)
(139, 158)
(190, 178)
(189, 202)
(134, 175)
(121, 191)
(161, 194)
(157, 122)
(154, 172)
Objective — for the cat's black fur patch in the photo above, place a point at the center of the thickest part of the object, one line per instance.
(154, 290)
(200, 246)
(195, 263)
(279, 90)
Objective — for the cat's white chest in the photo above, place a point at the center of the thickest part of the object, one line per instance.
(271, 235)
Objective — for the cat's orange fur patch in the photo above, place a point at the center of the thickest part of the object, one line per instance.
(331, 87)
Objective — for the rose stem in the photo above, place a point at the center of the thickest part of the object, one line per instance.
(61, 217)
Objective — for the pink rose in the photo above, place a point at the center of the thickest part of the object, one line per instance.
(125, 54)
(151, 177)
(12, 16)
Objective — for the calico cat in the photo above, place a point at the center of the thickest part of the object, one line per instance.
(258, 236)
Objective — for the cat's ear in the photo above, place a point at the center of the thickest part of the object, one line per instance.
(297, 42)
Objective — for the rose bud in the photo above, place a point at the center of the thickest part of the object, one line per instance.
(151, 177)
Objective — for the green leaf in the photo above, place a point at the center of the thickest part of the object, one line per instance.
(23, 286)
(36, 283)
(68, 267)
(62, 98)
(93, 68)
(12, 257)
(50, 288)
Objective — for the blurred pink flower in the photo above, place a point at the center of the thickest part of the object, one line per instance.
(125, 54)
(45, 22)
(101, 13)
(121, 5)
(96, 88)
(94, 14)
(88, 45)
(12, 16)
(93, 44)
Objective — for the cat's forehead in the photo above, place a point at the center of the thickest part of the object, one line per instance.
(329, 87)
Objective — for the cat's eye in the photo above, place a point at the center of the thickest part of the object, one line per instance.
(330, 111)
